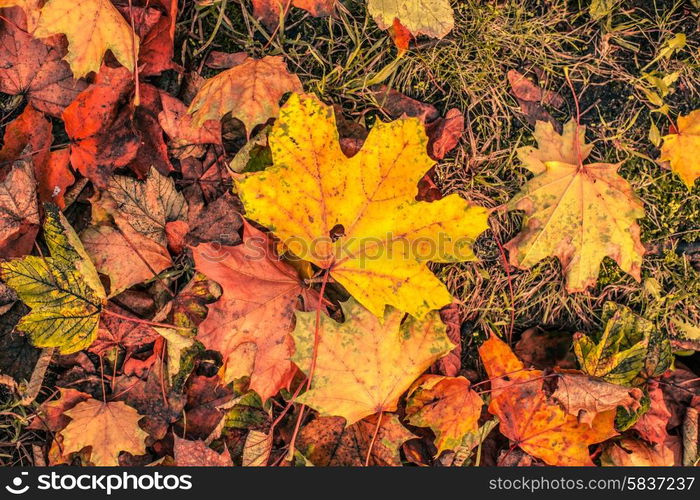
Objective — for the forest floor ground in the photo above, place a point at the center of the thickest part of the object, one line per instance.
(614, 65)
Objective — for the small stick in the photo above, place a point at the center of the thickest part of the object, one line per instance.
(37, 378)
(690, 437)
(374, 438)
(134, 54)
(144, 322)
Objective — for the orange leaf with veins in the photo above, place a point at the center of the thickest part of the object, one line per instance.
(250, 323)
(530, 419)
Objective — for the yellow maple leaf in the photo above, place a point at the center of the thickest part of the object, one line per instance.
(250, 91)
(364, 365)
(447, 405)
(31, 9)
(107, 428)
(682, 149)
(63, 291)
(433, 18)
(577, 212)
(358, 217)
(92, 27)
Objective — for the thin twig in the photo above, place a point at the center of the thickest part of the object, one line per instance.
(374, 438)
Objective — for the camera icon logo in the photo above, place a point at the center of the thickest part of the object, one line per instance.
(16, 488)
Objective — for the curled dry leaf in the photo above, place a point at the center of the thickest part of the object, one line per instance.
(447, 405)
(531, 98)
(579, 213)
(19, 211)
(257, 448)
(156, 49)
(652, 425)
(542, 349)
(50, 415)
(328, 442)
(205, 397)
(358, 217)
(159, 405)
(443, 133)
(365, 364)
(585, 397)
(189, 308)
(250, 91)
(451, 363)
(147, 206)
(634, 453)
(36, 69)
(152, 151)
(219, 221)
(115, 332)
(223, 60)
(29, 137)
(124, 255)
(186, 138)
(100, 126)
(270, 11)
(400, 35)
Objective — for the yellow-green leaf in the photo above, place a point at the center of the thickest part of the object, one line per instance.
(433, 18)
(63, 291)
(578, 212)
(630, 349)
(364, 365)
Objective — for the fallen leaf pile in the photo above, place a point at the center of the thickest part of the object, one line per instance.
(229, 271)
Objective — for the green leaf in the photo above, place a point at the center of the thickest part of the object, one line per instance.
(654, 135)
(625, 419)
(601, 8)
(248, 413)
(63, 291)
(182, 349)
(629, 350)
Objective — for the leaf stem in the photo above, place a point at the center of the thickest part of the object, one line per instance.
(577, 141)
(317, 332)
(374, 438)
(137, 90)
(143, 321)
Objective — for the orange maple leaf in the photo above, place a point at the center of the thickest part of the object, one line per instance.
(530, 420)
(251, 322)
